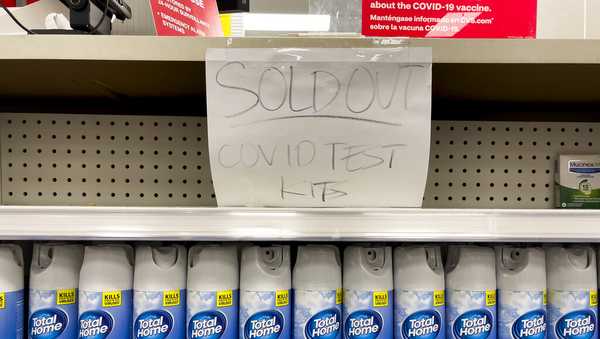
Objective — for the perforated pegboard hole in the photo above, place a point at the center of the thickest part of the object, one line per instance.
(517, 157)
(97, 154)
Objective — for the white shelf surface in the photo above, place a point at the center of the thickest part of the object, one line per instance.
(149, 48)
(247, 224)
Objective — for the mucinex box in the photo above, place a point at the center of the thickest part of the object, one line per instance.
(577, 179)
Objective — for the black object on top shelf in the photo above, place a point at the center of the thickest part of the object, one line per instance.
(228, 6)
(94, 16)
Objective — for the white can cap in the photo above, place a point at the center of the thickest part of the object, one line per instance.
(571, 268)
(520, 268)
(470, 268)
(55, 266)
(213, 268)
(368, 268)
(418, 268)
(11, 266)
(318, 267)
(265, 268)
(160, 268)
(107, 267)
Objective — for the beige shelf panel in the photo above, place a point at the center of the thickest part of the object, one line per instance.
(160, 49)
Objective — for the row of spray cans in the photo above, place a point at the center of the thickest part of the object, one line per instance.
(542, 292)
(207, 294)
(91, 292)
(409, 295)
(256, 298)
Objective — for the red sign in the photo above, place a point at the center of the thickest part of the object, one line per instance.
(450, 18)
(186, 17)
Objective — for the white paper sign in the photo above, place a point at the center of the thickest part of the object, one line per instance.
(319, 127)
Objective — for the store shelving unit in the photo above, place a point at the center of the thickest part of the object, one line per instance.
(126, 68)
(529, 85)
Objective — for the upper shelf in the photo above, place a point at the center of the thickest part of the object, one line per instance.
(154, 75)
(242, 224)
(185, 49)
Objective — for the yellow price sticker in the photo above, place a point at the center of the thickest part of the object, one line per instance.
(112, 299)
(439, 298)
(593, 297)
(66, 297)
(380, 299)
(545, 297)
(282, 298)
(171, 298)
(226, 24)
(224, 298)
(2, 300)
(339, 296)
(490, 297)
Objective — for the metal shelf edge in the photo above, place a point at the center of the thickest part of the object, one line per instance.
(192, 49)
(234, 224)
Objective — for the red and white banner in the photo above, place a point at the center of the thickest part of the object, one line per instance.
(450, 18)
(186, 17)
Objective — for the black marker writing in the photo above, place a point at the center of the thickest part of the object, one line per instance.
(395, 87)
(260, 82)
(315, 92)
(326, 92)
(320, 116)
(237, 88)
(310, 146)
(268, 161)
(373, 90)
(362, 153)
(291, 96)
(333, 145)
(253, 153)
(321, 190)
(353, 158)
(220, 156)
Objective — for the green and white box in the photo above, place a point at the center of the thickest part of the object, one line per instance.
(577, 180)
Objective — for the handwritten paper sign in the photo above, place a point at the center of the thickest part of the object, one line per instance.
(319, 127)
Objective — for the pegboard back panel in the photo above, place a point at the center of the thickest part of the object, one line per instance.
(104, 160)
(163, 161)
(484, 164)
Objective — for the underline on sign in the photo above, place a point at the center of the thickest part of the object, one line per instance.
(379, 122)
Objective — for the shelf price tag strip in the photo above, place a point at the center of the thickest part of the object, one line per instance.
(319, 127)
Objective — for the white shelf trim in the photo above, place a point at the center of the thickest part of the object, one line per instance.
(235, 224)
